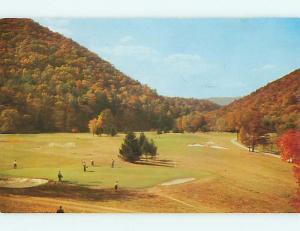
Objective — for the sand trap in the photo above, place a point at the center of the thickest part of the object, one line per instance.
(65, 145)
(217, 147)
(177, 181)
(196, 145)
(21, 182)
(207, 144)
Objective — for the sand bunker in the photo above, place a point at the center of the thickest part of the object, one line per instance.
(21, 182)
(65, 145)
(196, 145)
(177, 181)
(217, 147)
(207, 144)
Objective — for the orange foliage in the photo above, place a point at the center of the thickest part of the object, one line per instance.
(69, 85)
(278, 101)
(289, 145)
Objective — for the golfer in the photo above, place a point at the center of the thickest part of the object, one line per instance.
(84, 166)
(15, 164)
(60, 176)
(113, 163)
(60, 210)
(116, 186)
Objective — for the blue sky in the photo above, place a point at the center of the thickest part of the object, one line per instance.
(197, 58)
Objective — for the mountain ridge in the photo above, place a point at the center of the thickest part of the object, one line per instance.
(278, 102)
(51, 83)
(223, 101)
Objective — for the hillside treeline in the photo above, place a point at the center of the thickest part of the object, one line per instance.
(258, 117)
(49, 83)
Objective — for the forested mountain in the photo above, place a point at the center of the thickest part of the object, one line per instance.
(278, 104)
(50, 83)
(276, 107)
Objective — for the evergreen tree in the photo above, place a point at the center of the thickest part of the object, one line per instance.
(152, 149)
(147, 147)
(144, 144)
(142, 139)
(130, 149)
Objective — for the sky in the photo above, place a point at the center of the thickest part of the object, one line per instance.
(197, 58)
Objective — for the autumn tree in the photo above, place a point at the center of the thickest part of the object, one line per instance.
(9, 121)
(100, 124)
(253, 132)
(192, 122)
(244, 137)
(106, 122)
(178, 126)
(93, 126)
(289, 146)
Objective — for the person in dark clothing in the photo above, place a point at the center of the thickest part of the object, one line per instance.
(92, 163)
(60, 176)
(113, 163)
(60, 210)
(116, 186)
(15, 164)
(84, 166)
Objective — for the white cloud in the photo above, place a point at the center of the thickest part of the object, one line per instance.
(156, 69)
(184, 65)
(125, 51)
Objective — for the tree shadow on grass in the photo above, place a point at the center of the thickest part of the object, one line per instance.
(156, 162)
(69, 191)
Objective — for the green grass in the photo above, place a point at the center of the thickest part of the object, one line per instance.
(37, 158)
(230, 179)
(41, 156)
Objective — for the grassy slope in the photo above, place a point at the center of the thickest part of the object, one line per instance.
(228, 180)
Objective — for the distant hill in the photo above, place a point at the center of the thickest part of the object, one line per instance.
(278, 102)
(51, 83)
(222, 101)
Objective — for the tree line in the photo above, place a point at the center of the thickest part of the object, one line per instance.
(49, 83)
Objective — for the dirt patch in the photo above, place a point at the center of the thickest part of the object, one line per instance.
(178, 181)
(21, 182)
